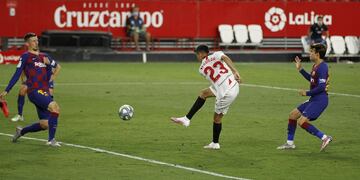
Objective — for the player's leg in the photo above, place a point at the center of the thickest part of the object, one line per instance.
(20, 103)
(36, 127)
(221, 108)
(4, 108)
(54, 109)
(199, 102)
(311, 113)
(294, 115)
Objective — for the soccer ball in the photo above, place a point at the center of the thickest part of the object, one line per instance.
(126, 112)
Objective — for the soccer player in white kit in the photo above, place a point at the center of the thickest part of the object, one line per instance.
(224, 78)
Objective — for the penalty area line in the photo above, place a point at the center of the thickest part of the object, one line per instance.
(137, 158)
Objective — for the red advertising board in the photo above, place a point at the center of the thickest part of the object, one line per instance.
(171, 18)
(10, 56)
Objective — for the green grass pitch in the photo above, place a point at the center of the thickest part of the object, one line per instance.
(91, 93)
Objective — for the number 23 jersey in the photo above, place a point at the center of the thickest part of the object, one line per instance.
(214, 69)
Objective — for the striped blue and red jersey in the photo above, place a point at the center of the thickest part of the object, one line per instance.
(319, 79)
(36, 69)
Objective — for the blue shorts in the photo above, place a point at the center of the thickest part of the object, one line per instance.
(312, 109)
(51, 84)
(41, 99)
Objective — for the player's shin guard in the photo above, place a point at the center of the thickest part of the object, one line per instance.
(53, 120)
(291, 129)
(216, 132)
(197, 105)
(20, 103)
(31, 128)
(312, 130)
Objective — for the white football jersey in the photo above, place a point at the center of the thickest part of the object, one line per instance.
(218, 73)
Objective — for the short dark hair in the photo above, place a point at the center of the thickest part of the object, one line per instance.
(320, 17)
(319, 48)
(29, 35)
(202, 48)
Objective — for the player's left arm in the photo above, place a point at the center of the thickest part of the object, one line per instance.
(55, 73)
(231, 65)
(322, 79)
(55, 66)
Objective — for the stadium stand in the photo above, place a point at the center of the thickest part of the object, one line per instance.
(338, 45)
(352, 44)
(241, 33)
(255, 33)
(226, 34)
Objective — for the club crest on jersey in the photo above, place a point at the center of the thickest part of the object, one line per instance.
(39, 64)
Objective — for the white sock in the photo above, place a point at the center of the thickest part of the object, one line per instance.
(324, 137)
(290, 142)
(186, 118)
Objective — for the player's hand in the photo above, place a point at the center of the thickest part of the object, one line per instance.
(3, 94)
(237, 77)
(46, 60)
(298, 63)
(302, 92)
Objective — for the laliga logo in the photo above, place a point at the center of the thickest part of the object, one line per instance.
(275, 19)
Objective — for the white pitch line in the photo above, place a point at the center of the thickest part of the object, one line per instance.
(185, 83)
(137, 158)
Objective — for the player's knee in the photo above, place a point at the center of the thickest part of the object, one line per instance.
(51, 91)
(22, 91)
(44, 124)
(203, 94)
(54, 107)
(294, 114)
(217, 118)
(302, 120)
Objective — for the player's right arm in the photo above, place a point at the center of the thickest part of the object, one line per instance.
(15, 77)
(298, 65)
(231, 65)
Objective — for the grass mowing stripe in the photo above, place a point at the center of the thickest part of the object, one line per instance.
(136, 158)
(186, 83)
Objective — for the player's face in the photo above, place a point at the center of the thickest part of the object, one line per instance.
(200, 56)
(313, 55)
(33, 43)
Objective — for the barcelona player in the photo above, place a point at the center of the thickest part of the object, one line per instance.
(52, 73)
(311, 109)
(34, 65)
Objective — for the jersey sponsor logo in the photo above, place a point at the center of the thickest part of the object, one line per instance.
(90, 17)
(39, 64)
(276, 19)
(44, 93)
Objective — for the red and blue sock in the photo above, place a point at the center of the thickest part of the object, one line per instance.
(312, 130)
(31, 128)
(291, 129)
(20, 102)
(53, 121)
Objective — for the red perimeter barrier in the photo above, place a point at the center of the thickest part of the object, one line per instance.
(171, 18)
